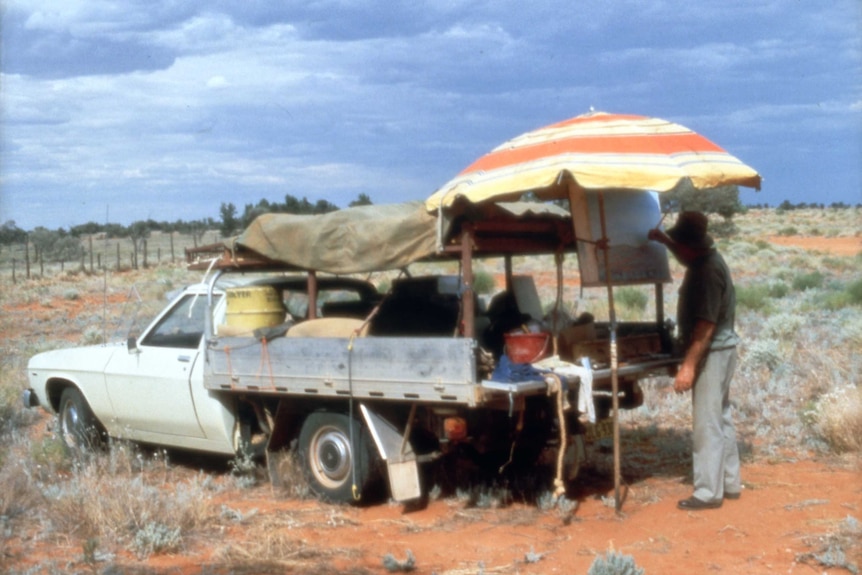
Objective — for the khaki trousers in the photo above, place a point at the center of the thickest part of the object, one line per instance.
(716, 454)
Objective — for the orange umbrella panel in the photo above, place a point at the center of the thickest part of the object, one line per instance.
(597, 151)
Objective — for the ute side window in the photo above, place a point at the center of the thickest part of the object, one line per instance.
(183, 325)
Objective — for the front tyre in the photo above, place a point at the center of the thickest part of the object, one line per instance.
(336, 469)
(79, 429)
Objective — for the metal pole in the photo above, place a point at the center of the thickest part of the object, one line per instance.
(615, 385)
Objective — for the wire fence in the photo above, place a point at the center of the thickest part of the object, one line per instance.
(97, 253)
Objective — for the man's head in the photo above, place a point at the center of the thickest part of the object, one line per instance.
(690, 231)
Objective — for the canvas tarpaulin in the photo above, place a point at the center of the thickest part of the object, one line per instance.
(353, 240)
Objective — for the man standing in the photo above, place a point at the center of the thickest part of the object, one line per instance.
(705, 316)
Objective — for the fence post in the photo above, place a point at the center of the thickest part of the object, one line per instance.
(27, 254)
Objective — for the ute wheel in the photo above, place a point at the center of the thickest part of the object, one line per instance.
(331, 465)
(79, 429)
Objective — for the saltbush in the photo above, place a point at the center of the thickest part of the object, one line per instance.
(613, 563)
(154, 538)
(783, 325)
(765, 352)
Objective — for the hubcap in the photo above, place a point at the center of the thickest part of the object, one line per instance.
(331, 449)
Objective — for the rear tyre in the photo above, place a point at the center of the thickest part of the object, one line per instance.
(79, 429)
(335, 469)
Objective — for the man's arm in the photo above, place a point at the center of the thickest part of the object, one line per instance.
(697, 350)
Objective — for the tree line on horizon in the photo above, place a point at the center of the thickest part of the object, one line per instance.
(64, 245)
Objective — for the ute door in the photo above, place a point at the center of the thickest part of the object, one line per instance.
(150, 387)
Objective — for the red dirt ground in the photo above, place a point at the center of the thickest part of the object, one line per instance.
(786, 510)
(842, 246)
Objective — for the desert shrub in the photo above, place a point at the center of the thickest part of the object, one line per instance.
(835, 300)
(483, 282)
(765, 352)
(105, 497)
(18, 492)
(763, 245)
(92, 336)
(243, 469)
(154, 538)
(723, 228)
(778, 290)
(806, 281)
(753, 297)
(855, 292)
(632, 298)
(783, 325)
(838, 419)
(788, 231)
(613, 563)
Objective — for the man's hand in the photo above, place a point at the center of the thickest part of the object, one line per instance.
(656, 235)
(697, 350)
(684, 379)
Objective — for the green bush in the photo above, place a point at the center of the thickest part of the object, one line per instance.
(808, 281)
(835, 300)
(788, 231)
(483, 283)
(632, 298)
(778, 290)
(753, 297)
(855, 291)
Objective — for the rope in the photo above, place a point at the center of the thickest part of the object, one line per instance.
(556, 387)
(354, 488)
(264, 358)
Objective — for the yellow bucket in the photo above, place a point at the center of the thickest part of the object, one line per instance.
(254, 307)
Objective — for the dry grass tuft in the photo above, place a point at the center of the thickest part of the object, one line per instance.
(838, 419)
(117, 497)
(273, 550)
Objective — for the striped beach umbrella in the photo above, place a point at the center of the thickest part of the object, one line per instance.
(597, 151)
(602, 153)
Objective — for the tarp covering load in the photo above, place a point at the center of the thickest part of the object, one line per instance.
(353, 240)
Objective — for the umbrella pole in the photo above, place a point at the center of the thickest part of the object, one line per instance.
(615, 400)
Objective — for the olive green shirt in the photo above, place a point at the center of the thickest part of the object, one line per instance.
(707, 293)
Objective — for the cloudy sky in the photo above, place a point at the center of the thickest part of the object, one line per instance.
(164, 109)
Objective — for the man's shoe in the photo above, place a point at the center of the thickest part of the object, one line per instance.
(695, 504)
(732, 496)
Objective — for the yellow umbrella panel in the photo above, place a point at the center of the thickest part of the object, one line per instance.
(596, 151)
(594, 160)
